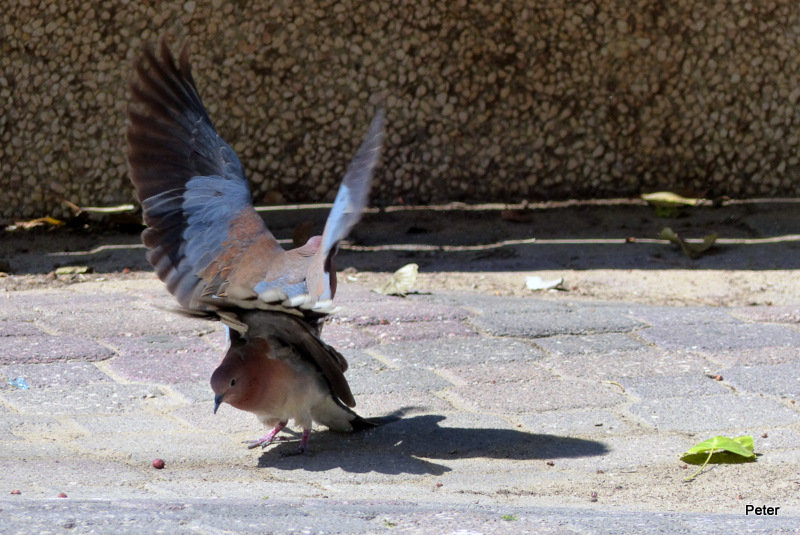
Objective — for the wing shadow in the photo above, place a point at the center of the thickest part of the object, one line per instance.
(405, 446)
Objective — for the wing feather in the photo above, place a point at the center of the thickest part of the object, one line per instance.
(205, 239)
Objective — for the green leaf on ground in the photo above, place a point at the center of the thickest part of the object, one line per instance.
(726, 450)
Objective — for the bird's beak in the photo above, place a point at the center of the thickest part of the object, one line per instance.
(217, 402)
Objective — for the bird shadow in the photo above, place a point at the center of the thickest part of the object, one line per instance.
(407, 445)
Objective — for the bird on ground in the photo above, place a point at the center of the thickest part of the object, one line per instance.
(209, 245)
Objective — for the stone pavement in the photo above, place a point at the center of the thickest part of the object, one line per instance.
(517, 415)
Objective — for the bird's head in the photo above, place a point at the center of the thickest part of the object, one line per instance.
(227, 384)
(236, 380)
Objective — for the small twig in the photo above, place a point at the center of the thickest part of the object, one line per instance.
(616, 384)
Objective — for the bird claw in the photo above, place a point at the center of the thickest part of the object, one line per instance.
(267, 439)
(302, 447)
(251, 444)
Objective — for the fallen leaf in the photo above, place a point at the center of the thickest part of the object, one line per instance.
(690, 249)
(534, 283)
(743, 445)
(741, 448)
(668, 204)
(38, 222)
(73, 270)
(402, 281)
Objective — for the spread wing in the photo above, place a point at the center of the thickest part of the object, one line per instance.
(205, 239)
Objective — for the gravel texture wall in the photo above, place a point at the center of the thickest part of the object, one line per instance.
(487, 100)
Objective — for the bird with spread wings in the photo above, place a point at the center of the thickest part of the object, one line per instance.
(217, 257)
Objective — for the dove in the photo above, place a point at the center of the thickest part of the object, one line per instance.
(217, 257)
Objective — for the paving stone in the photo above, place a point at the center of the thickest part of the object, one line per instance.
(33, 305)
(593, 344)
(228, 420)
(721, 336)
(173, 447)
(480, 422)
(776, 439)
(348, 292)
(752, 356)
(781, 458)
(358, 358)
(97, 398)
(480, 374)
(420, 330)
(164, 358)
(447, 352)
(578, 423)
(411, 403)
(53, 374)
(83, 494)
(778, 379)
(188, 484)
(47, 348)
(668, 386)
(453, 437)
(661, 315)
(632, 452)
(719, 414)
(399, 382)
(133, 320)
(195, 392)
(66, 299)
(28, 451)
(344, 336)
(647, 362)
(394, 309)
(6, 430)
(47, 477)
(40, 427)
(482, 304)
(98, 425)
(18, 328)
(547, 392)
(772, 314)
(17, 310)
(565, 319)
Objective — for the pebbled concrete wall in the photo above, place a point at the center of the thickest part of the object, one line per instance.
(487, 100)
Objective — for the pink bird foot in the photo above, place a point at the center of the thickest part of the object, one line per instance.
(303, 447)
(267, 439)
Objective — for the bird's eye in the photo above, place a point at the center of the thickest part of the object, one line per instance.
(233, 382)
